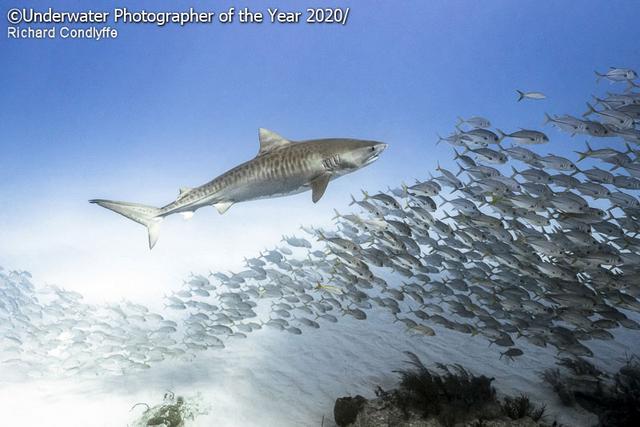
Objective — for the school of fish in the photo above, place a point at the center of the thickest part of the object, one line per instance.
(517, 246)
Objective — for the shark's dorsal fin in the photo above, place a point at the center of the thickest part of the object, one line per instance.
(222, 207)
(318, 186)
(270, 141)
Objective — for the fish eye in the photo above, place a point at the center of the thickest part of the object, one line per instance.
(373, 149)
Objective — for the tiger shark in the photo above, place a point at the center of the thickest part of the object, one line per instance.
(281, 167)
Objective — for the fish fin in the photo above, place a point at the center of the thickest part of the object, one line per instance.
(589, 149)
(520, 95)
(270, 141)
(142, 214)
(183, 192)
(405, 189)
(318, 186)
(590, 110)
(153, 228)
(187, 215)
(222, 207)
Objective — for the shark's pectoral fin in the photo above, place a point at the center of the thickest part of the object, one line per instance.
(270, 141)
(318, 186)
(222, 207)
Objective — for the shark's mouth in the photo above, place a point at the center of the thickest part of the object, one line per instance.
(375, 155)
(372, 159)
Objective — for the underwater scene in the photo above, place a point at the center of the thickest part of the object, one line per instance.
(442, 228)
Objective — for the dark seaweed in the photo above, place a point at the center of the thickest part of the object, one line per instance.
(520, 407)
(616, 403)
(447, 395)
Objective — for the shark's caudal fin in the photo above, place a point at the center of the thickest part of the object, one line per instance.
(142, 214)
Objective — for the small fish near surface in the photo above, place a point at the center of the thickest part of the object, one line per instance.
(281, 168)
(530, 95)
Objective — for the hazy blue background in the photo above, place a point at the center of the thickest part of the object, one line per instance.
(159, 108)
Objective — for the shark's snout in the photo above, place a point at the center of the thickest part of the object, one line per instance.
(376, 149)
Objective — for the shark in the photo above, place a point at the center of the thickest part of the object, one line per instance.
(282, 167)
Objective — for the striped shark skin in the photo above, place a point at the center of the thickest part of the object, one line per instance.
(281, 167)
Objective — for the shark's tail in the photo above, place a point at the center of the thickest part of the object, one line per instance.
(142, 214)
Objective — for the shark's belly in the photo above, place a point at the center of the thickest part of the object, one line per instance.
(267, 188)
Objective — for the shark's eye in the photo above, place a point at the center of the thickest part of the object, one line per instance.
(373, 149)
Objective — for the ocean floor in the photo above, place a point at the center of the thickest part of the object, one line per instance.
(277, 379)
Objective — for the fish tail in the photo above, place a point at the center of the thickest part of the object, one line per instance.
(520, 95)
(581, 155)
(148, 216)
(629, 149)
(547, 118)
(405, 189)
(598, 101)
(589, 149)
(598, 76)
(590, 110)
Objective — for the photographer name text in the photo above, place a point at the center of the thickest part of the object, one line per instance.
(29, 23)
